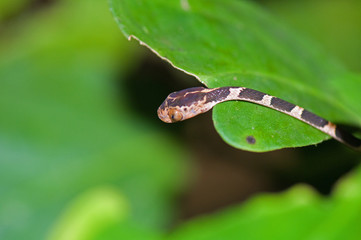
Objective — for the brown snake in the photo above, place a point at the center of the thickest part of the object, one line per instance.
(187, 103)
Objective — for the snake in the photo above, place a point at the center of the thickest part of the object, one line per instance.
(190, 102)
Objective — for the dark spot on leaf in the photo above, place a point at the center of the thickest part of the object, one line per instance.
(251, 140)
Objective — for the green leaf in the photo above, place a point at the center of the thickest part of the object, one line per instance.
(61, 129)
(8, 8)
(332, 23)
(298, 213)
(90, 213)
(235, 43)
(100, 213)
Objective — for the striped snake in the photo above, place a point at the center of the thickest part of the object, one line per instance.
(187, 103)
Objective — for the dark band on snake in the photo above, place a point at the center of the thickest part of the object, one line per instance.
(218, 94)
(282, 104)
(187, 103)
(248, 93)
(348, 137)
(314, 119)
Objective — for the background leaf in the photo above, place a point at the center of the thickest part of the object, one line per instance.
(235, 43)
(9, 8)
(298, 213)
(61, 129)
(90, 212)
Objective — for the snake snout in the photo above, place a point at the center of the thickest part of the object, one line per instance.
(163, 115)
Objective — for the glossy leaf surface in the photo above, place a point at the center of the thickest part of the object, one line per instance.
(235, 43)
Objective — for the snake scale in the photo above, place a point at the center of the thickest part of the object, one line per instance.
(187, 103)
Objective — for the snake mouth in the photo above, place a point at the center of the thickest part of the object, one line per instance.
(163, 115)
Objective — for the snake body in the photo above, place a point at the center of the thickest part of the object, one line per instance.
(187, 103)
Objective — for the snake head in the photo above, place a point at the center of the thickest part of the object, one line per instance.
(184, 104)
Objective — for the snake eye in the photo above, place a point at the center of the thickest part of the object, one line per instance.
(175, 115)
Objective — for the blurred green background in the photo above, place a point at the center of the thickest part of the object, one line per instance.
(82, 150)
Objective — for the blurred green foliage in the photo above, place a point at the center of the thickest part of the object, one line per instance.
(299, 213)
(90, 213)
(8, 8)
(63, 130)
(77, 163)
